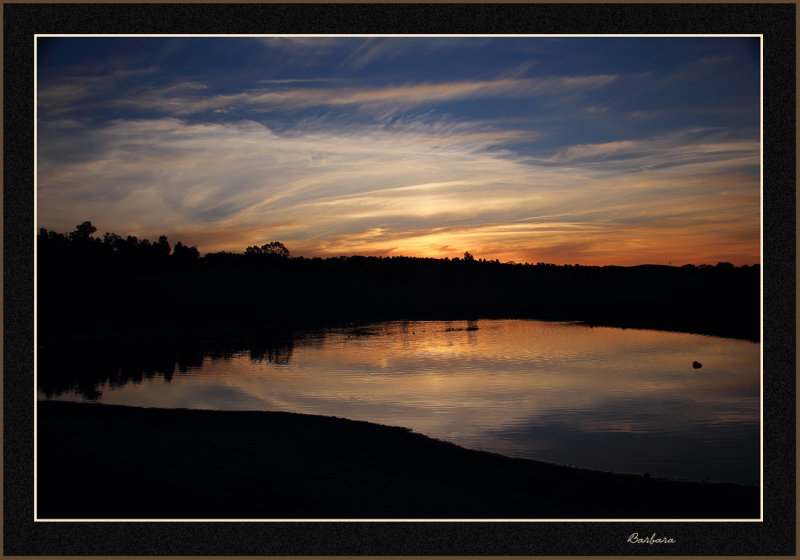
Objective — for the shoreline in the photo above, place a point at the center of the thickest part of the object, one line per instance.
(303, 327)
(149, 463)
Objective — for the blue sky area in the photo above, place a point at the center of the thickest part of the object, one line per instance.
(587, 150)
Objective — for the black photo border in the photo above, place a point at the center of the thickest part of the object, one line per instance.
(774, 536)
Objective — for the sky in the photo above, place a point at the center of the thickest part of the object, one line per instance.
(566, 150)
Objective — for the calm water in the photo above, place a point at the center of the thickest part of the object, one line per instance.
(613, 399)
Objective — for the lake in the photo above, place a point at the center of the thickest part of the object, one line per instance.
(624, 400)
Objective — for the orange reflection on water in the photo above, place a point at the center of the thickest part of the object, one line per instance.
(502, 385)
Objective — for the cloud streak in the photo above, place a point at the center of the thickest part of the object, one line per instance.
(380, 191)
(187, 98)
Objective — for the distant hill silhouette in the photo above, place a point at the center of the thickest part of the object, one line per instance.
(89, 285)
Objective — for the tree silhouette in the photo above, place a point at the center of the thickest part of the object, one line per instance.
(182, 252)
(113, 241)
(274, 248)
(83, 231)
(163, 245)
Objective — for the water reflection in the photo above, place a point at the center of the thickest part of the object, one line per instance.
(625, 400)
(86, 370)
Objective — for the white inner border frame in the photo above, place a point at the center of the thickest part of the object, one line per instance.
(338, 520)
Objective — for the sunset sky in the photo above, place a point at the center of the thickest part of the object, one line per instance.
(589, 150)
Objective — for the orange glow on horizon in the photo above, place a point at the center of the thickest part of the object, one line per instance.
(579, 246)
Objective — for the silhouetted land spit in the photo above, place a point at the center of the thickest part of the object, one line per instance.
(87, 285)
(101, 461)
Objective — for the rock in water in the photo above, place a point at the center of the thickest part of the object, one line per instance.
(697, 365)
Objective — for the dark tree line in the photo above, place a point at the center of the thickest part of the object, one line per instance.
(80, 244)
(88, 284)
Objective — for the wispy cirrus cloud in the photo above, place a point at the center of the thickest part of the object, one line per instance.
(709, 149)
(187, 98)
(67, 93)
(379, 191)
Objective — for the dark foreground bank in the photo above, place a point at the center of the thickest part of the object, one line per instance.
(101, 461)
